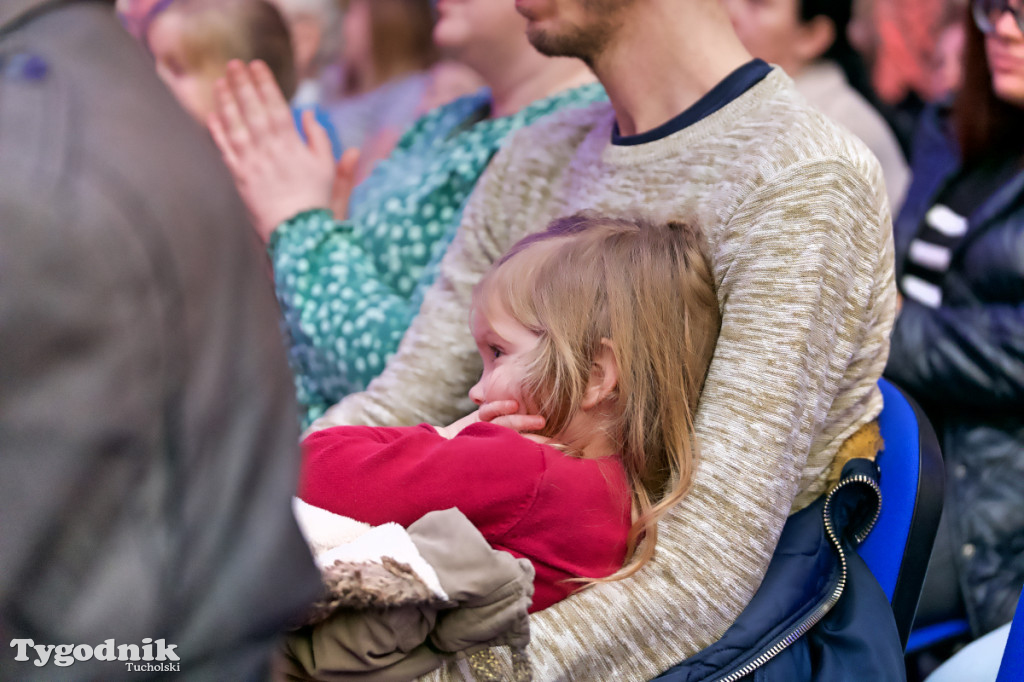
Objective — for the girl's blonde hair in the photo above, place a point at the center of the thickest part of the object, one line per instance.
(649, 290)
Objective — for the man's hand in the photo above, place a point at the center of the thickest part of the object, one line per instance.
(277, 174)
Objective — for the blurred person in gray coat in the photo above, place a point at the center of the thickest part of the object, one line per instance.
(148, 439)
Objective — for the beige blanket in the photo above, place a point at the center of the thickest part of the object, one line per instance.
(399, 602)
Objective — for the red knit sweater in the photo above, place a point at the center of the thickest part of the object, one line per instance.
(568, 516)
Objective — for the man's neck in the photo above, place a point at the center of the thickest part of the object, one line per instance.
(663, 60)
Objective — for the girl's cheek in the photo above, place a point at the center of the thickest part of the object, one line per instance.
(526, 405)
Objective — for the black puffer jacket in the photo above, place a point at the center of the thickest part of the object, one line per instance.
(964, 362)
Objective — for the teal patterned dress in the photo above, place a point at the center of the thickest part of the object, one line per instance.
(349, 289)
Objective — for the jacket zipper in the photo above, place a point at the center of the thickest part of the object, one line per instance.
(825, 606)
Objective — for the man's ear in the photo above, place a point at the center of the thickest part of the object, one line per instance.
(815, 37)
(604, 376)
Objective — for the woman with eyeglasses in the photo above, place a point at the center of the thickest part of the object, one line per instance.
(958, 344)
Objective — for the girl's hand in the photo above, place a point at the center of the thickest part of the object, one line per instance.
(505, 413)
(502, 413)
(277, 174)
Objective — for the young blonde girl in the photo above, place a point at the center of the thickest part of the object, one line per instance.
(599, 333)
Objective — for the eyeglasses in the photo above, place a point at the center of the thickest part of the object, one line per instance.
(988, 12)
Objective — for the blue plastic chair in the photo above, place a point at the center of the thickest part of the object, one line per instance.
(1012, 667)
(912, 481)
(929, 635)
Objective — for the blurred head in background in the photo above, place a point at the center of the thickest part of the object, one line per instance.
(193, 40)
(384, 40)
(796, 33)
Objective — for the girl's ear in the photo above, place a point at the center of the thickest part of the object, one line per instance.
(604, 376)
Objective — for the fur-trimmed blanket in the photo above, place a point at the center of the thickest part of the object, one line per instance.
(397, 602)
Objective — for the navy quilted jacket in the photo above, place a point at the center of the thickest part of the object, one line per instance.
(819, 613)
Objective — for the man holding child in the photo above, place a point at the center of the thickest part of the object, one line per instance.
(799, 233)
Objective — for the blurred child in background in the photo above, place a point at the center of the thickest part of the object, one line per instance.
(192, 42)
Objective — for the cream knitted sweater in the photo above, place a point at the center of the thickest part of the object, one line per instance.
(799, 230)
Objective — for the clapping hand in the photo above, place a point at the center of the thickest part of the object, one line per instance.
(277, 174)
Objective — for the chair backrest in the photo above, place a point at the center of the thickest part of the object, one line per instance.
(1012, 667)
(912, 480)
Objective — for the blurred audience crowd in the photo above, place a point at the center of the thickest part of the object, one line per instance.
(376, 119)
